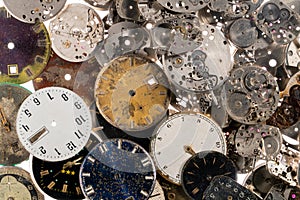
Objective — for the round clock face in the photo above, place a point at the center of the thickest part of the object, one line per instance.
(118, 169)
(15, 183)
(180, 133)
(54, 124)
(75, 32)
(201, 168)
(60, 180)
(24, 50)
(11, 149)
(132, 93)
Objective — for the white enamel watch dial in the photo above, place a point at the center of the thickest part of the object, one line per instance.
(179, 137)
(54, 124)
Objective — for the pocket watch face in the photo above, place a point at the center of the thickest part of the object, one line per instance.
(54, 124)
(60, 180)
(132, 93)
(118, 169)
(15, 183)
(178, 134)
(11, 149)
(201, 168)
(19, 64)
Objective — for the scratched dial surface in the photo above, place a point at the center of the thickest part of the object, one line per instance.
(31, 11)
(11, 149)
(132, 93)
(49, 114)
(24, 50)
(75, 32)
(16, 183)
(179, 132)
(60, 180)
(118, 169)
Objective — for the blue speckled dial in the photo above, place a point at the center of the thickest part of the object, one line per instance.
(118, 169)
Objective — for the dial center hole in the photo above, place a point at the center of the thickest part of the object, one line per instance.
(68, 77)
(10, 45)
(53, 123)
(131, 93)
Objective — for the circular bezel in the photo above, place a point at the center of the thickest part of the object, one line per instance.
(53, 124)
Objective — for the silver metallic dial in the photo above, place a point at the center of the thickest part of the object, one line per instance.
(75, 32)
(178, 136)
(30, 11)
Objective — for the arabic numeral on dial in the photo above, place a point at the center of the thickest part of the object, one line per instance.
(80, 120)
(25, 127)
(177, 176)
(30, 187)
(56, 150)
(27, 112)
(65, 97)
(42, 150)
(78, 134)
(218, 144)
(49, 95)
(169, 126)
(37, 101)
(211, 130)
(71, 146)
(77, 105)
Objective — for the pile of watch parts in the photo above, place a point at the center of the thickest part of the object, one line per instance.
(210, 89)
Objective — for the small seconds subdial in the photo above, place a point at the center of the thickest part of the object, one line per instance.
(54, 124)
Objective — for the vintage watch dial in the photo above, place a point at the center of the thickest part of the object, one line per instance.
(32, 11)
(201, 168)
(118, 169)
(52, 113)
(11, 149)
(178, 134)
(75, 32)
(60, 180)
(132, 93)
(17, 63)
(16, 183)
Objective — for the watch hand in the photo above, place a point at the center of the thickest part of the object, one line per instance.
(72, 163)
(4, 121)
(189, 149)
